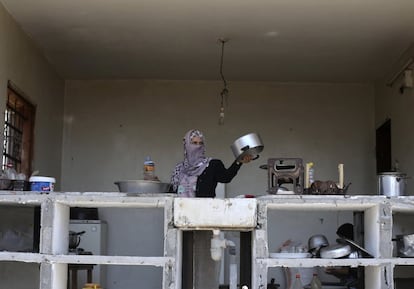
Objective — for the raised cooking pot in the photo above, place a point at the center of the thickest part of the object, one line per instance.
(249, 144)
(392, 184)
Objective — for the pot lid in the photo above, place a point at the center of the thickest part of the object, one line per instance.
(391, 174)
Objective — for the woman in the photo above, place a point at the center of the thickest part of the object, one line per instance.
(198, 175)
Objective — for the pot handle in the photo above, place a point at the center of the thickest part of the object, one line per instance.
(247, 147)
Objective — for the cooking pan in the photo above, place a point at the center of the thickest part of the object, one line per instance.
(355, 246)
(335, 251)
(249, 144)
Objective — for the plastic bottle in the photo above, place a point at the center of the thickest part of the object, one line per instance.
(316, 282)
(311, 174)
(149, 169)
(298, 283)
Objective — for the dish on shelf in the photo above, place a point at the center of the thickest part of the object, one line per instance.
(290, 255)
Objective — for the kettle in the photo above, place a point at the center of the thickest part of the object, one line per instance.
(74, 239)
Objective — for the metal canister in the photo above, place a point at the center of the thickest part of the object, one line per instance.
(392, 184)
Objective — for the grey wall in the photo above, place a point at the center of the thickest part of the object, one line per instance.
(110, 126)
(392, 104)
(23, 64)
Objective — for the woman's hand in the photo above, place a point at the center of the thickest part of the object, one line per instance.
(246, 159)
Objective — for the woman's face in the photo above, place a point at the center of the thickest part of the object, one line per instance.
(196, 140)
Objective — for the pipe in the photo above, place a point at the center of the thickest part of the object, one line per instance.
(217, 245)
(216, 249)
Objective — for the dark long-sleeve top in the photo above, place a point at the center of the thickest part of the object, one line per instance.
(213, 174)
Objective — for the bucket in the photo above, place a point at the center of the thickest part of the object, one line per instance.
(42, 184)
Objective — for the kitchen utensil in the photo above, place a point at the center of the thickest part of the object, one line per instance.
(143, 186)
(316, 242)
(74, 239)
(392, 184)
(289, 255)
(335, 251)
(405, 245)
(249, 144)
(355, 246)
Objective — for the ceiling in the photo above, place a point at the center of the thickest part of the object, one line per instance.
(268, 40)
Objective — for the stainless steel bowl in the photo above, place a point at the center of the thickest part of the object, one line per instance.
(142, 187)
(317, 241)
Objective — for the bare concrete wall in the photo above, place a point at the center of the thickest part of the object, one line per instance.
(23, 64)
(110, 126)
(390, 103)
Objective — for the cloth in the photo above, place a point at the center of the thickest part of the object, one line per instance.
(213, 174)
(184, 178)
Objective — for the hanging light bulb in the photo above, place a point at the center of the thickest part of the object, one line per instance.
(224, 92)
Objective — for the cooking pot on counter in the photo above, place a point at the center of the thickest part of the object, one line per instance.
(392, 184)
(249, 144)
(142, 186)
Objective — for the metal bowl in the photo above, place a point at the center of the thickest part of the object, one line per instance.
(142, 187)
(317, 241)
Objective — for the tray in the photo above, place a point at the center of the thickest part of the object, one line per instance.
(290, 255)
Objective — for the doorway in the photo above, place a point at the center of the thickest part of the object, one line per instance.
(383, 147)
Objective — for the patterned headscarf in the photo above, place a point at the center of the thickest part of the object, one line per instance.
(195, 162)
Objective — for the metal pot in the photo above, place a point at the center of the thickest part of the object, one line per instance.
(143, 186)
(317, 241)
(405, 245)
(74, 239)
(392, 184)
(249, 144)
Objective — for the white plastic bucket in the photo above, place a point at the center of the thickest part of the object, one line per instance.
(42, 184)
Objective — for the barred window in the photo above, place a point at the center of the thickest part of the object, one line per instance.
(18, 132)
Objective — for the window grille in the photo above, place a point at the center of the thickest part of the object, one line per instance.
(18, 133)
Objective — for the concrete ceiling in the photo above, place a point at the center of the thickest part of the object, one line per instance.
(269, 40)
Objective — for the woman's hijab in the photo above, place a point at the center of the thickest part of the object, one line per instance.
(184, 179)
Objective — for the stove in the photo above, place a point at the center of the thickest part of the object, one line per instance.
(285, 173)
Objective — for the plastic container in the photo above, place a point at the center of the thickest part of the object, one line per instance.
(149, 169)
(311, 174)
(42, 184)
(297, 283)
(315, 283)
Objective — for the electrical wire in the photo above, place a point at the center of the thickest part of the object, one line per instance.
(225, 91)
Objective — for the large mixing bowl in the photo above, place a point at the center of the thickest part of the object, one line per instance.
(143, 187)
